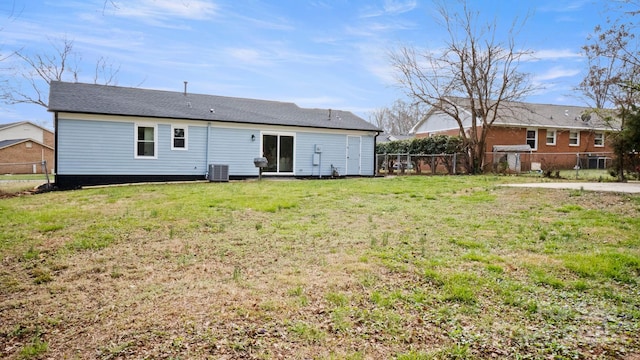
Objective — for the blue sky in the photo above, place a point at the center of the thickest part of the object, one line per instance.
(317, 53)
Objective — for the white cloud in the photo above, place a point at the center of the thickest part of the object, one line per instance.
(376, 28)
(390, 7)
(385, 73)
(556, 72)
(398, 7)
(247, 56)
(565, 7)
(272, 24)
(553, 54)
(157, 10)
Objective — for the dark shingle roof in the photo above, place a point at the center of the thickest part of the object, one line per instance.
(515, 113)
(7, 143)
(521, 114)
(115, 100)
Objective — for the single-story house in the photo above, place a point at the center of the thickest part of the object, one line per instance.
(558, 136)
(110, 134)
(24, 146)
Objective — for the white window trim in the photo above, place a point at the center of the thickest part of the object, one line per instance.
(578, 142)
(555, 137)
(594, 139)
(535, 140)
(186, 137)
(155, 141)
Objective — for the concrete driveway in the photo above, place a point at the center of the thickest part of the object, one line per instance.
(628, 187)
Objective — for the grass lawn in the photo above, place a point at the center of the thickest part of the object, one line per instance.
(401, 268)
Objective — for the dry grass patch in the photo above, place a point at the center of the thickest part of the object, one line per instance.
(406, 268)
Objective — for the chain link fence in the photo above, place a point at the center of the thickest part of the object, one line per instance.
(23, 168)
(419, 164)
(519, 162)
(25, 174)
(510, 162)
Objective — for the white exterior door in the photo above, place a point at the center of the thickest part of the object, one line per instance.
(353, 155)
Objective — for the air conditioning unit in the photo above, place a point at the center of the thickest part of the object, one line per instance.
(218, 173)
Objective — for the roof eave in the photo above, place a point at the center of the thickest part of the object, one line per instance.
(217, 120)
(542, 126)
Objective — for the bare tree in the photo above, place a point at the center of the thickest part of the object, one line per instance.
(397, 119)
(12, 15)
(613, 75)
(473, 65)
(39, 70)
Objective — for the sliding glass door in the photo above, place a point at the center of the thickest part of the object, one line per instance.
(278, 149)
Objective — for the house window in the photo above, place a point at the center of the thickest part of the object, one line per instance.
(574, 138)
(551, 137)
(178, 138)
(532, 139)
(145, 141)
(598, 139)
(279, 151)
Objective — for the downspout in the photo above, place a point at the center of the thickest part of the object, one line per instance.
(375, 160)
(55, 143)
(206, 155)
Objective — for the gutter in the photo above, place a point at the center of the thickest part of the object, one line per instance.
(206, 155)
(55, 142)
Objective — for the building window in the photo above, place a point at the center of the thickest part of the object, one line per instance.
(145, 141)
(178, 138)
(551, 137)
(598, 139)
(532, 139)
(574, 138)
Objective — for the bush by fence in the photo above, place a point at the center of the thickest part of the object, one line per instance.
(405, 164)
(439, 144)
(437, 154)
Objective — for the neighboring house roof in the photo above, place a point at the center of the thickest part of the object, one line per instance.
(114, 100)
(7, 143)
(14, 124)
(520, 114)
(386, 137)
(12, 142)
